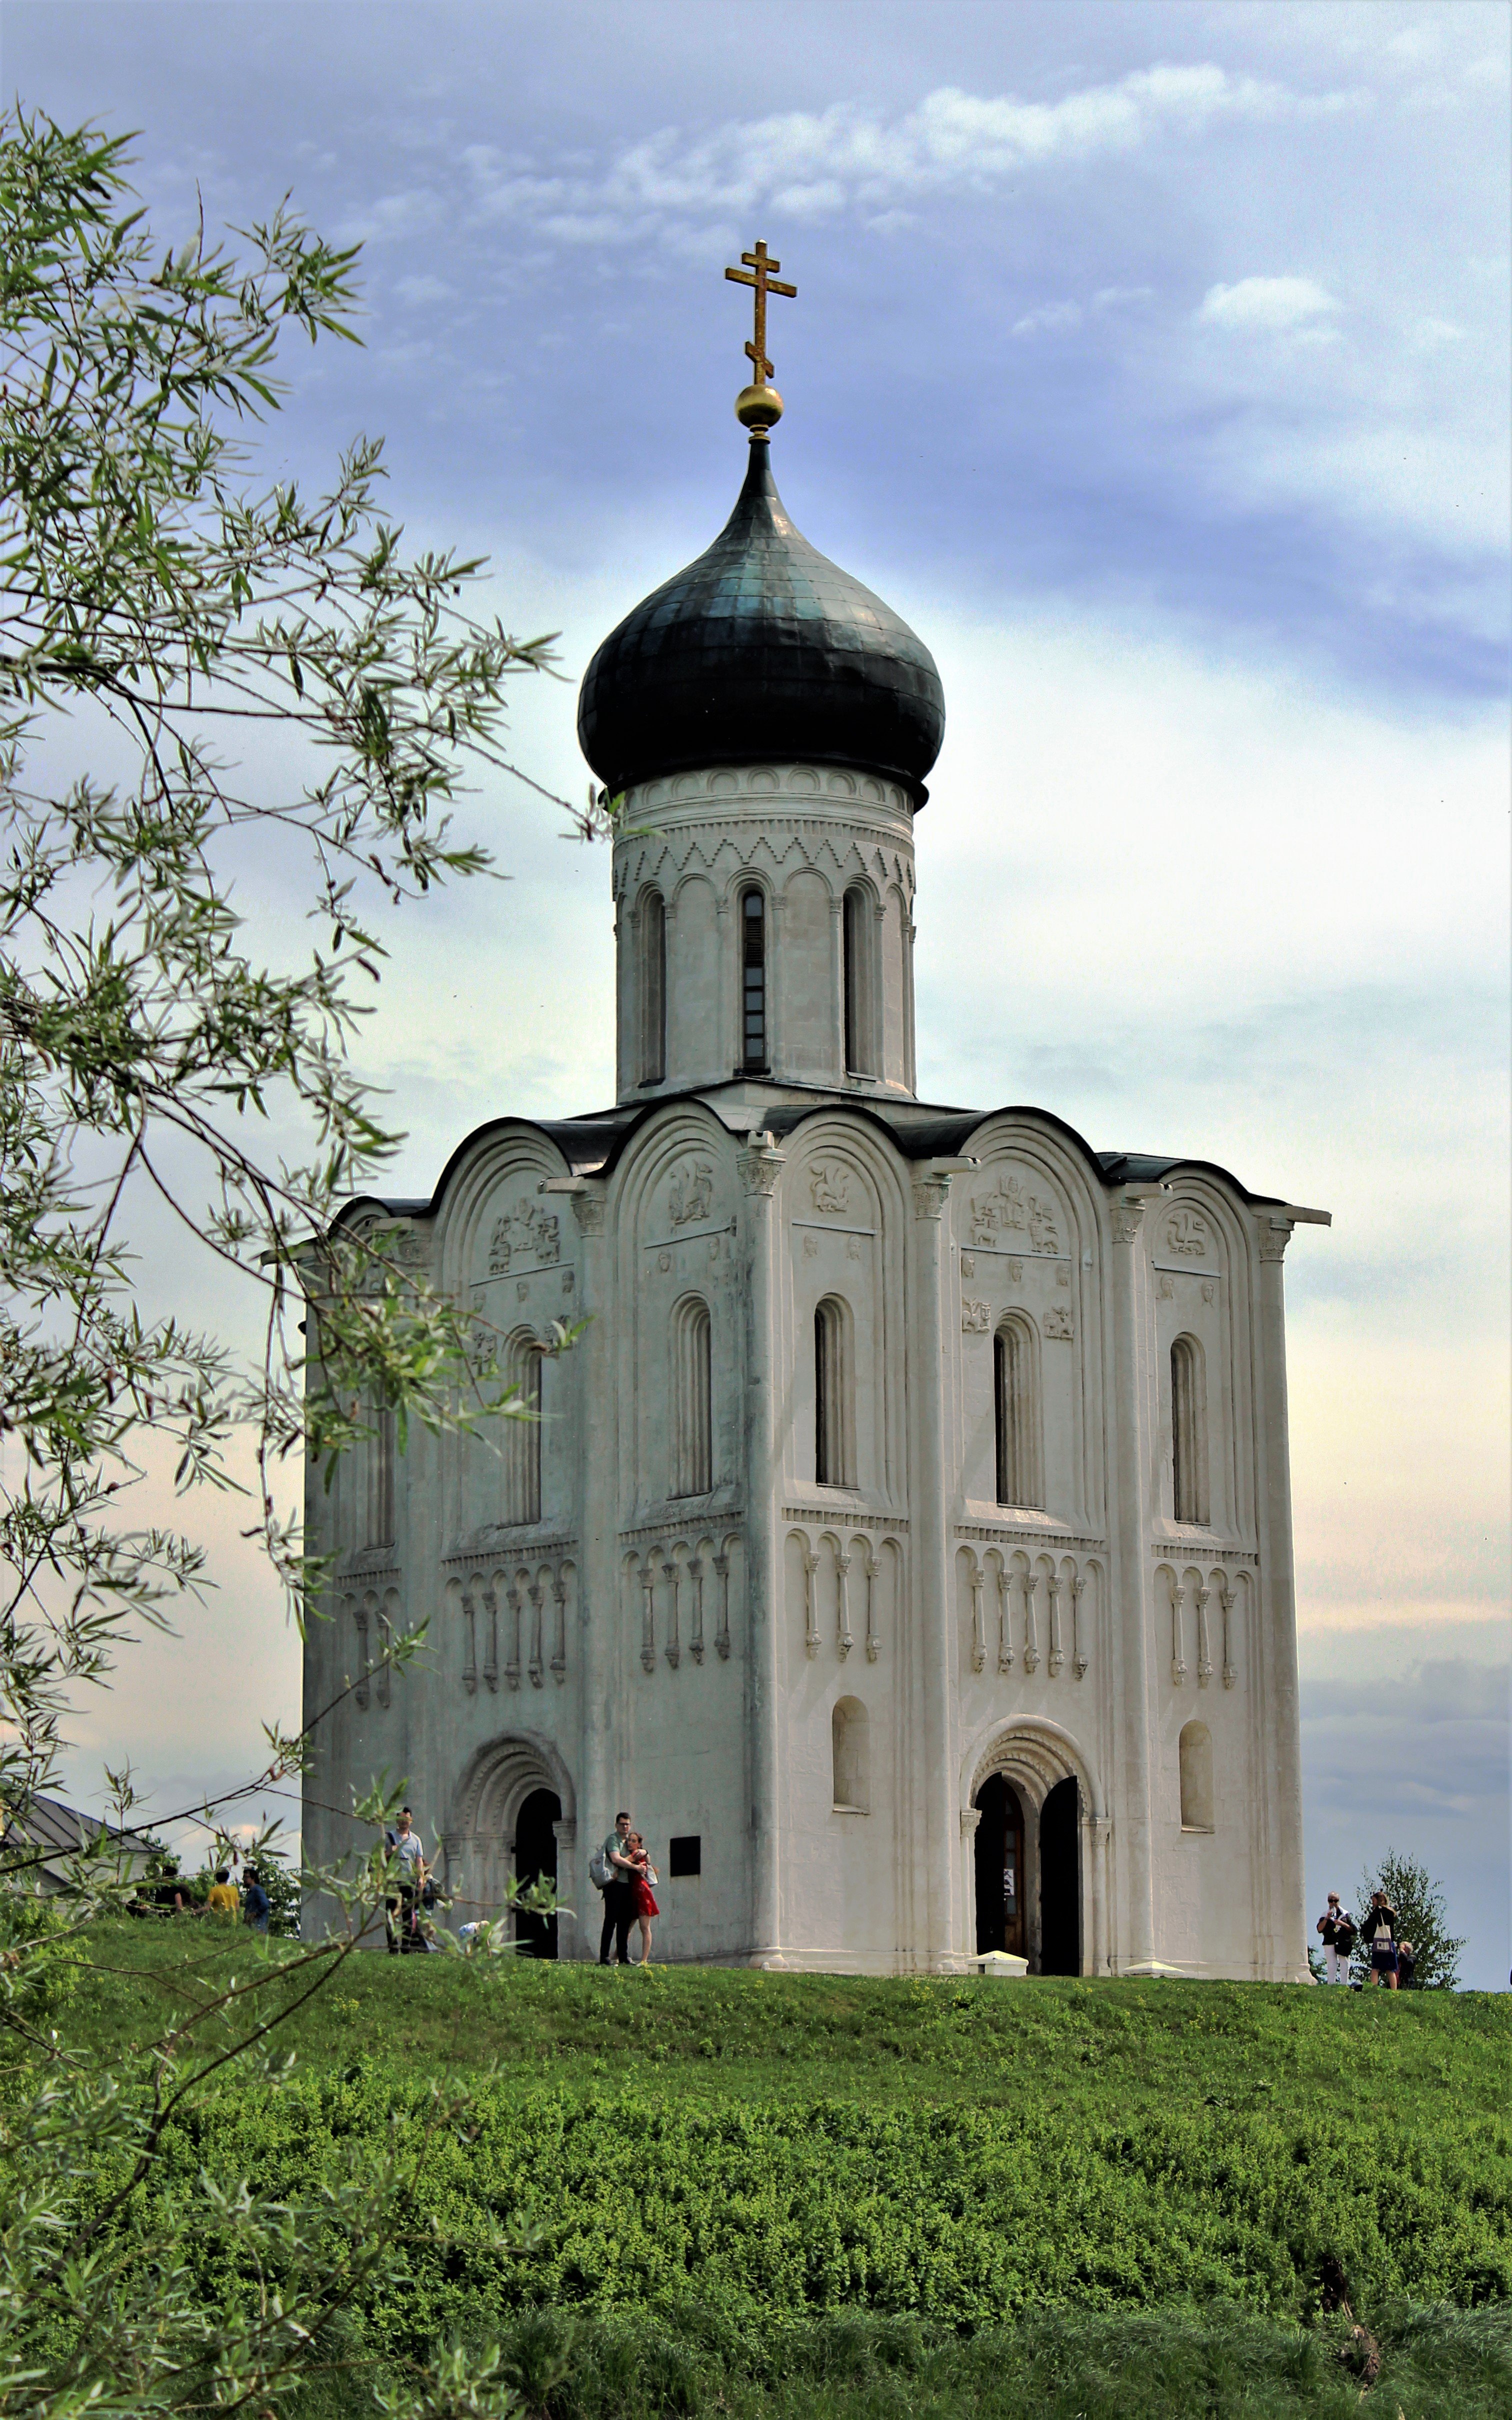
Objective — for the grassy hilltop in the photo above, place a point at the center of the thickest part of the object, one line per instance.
(696, 2191)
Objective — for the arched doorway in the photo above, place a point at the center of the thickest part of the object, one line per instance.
(535, 1861)
(1033, 1770)
(513, 1815)
(1060, 1881)
(1000, 1867)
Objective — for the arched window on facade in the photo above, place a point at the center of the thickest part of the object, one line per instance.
(382, 1455)
(851, 1754)
(834, 1424)
(753, 979)
(1196, 1751)
(1016, 1413)
(1189, 1431)
(693, 1456)
(858, 936)
(521, 1436)
(653, 988)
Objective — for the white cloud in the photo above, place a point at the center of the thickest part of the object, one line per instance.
(1051, 316)
(807, 163)
(1266, 302)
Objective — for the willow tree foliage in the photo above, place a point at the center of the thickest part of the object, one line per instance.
(198, 672)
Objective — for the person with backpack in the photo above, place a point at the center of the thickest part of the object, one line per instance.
(612, 1869)
(1337, 1927)
(1379, 1933)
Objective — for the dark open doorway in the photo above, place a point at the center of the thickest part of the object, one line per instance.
(1060, 1883)
(1000, 1893)
(535, 1861)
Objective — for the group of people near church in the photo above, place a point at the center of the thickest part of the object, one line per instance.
(622, 1869)
(1393, 1961)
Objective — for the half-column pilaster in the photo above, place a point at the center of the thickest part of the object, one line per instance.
(1277, 1674)
(761, 1165)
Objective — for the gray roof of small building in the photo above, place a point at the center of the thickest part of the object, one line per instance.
(47, 1832)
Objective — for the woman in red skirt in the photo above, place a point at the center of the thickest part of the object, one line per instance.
(645, 1906)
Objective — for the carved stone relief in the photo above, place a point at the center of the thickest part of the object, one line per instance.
(1186, 1232)
(1008, 1210)
(975, 1318)
(526, 1231)
(1058, 1321)
(692, 1192)
(830, 1186)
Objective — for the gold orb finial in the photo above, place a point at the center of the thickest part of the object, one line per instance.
(758, 408)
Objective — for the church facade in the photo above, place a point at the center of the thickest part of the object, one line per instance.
(906, 1540)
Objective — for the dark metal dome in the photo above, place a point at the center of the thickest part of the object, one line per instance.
(762, 649)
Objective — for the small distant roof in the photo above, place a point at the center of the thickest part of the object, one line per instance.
(53, 1831)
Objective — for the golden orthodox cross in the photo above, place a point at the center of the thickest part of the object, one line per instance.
(758, 272)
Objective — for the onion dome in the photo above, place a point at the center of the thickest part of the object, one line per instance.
(762, 651)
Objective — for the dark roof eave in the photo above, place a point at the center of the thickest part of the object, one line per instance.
(593, 1143)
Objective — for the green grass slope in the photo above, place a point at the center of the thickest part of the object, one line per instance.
(820, 2193)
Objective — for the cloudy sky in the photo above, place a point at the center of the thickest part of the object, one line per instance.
(1152, 361)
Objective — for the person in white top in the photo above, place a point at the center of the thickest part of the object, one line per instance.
(402, 1923)
(1337, 1927)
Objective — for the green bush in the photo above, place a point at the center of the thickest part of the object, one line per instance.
(39, 1967)
(701, 2362)
(959, 2217)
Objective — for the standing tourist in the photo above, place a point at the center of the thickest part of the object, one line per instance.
(1379, 1932)
(402, 1923)
(618, 1895)
(1337, 1927)
(645, 1906)
(255, 1905)
(1406, 1964)
(225, 1899)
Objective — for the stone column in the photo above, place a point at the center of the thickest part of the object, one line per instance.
(966, 1919)
(761, 1165)
(1275, 1669)
(937, 1797)
(1129, 1628)
(574, 1931)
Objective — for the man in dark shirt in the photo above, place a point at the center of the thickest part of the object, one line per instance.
(254, 1900)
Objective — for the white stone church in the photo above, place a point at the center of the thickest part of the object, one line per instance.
(907, 1539)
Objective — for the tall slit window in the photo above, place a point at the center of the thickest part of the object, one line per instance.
(383, 1449)
(1195, 1752)
(653, 988)
(1016, 1415)
(522, 1435)
(693, 1456)
(753, 979)
(856, 939)
(1189, 1431)
(833, 1415)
